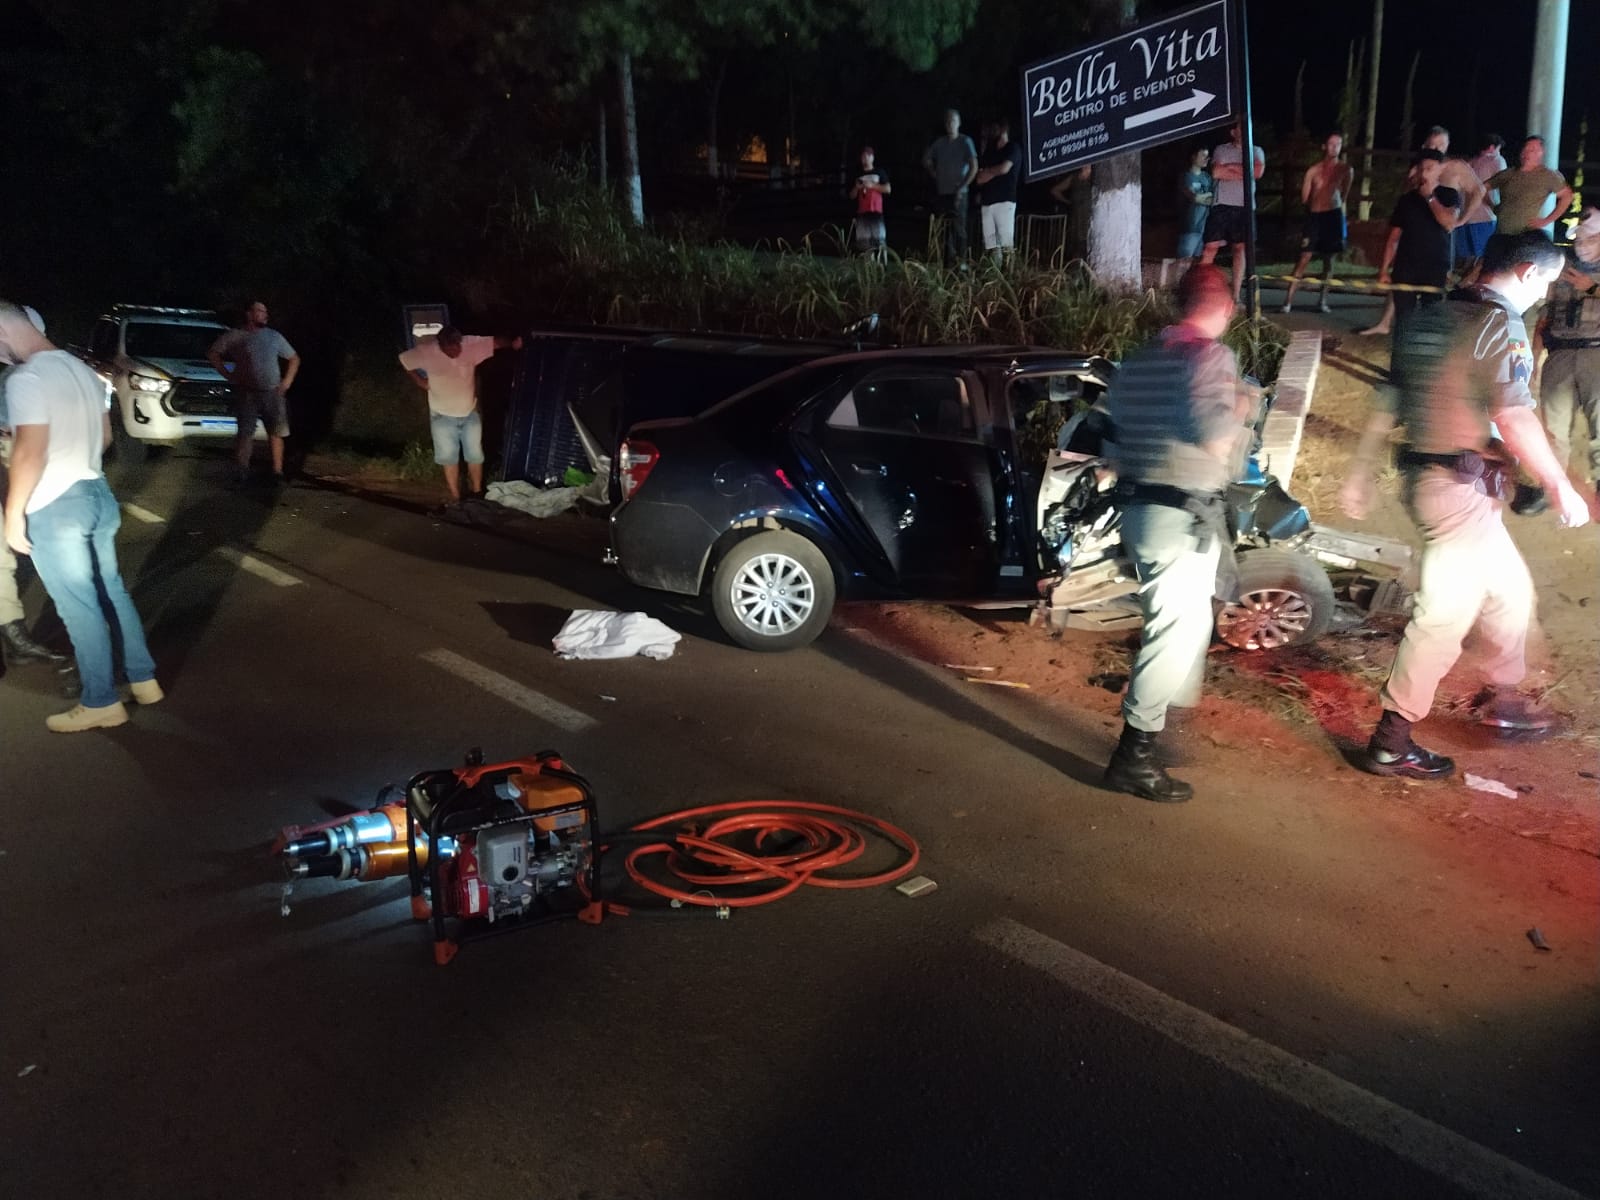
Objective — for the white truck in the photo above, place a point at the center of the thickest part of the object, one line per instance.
(163, 391)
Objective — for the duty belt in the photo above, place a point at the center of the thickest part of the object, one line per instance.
(1210, 523)
(1493, 467)
(1454, 461)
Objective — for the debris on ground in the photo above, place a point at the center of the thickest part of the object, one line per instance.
(1000, 683)
(536, 502)
(917, 885)
(1537, 939)
(596, 633)
(962, 667)
(1493, 786)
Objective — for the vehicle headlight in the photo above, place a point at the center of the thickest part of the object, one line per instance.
(149, 383)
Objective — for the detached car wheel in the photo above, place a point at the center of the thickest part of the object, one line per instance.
(773, 591)
(1285, 599)
(125, 448)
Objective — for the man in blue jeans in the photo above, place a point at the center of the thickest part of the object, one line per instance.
(446, 367)
(60, 510)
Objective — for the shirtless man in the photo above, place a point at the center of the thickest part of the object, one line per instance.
(1322, 191)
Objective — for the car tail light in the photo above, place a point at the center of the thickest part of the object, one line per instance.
(634, 465)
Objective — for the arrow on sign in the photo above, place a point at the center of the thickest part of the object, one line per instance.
(1197, 101)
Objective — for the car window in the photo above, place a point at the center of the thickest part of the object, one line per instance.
(152, 339)
(930, 405)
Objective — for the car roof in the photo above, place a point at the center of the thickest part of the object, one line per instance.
(166, 316)
(1023, 357)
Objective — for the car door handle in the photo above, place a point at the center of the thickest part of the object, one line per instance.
(862, 467)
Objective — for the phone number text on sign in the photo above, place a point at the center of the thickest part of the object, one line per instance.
(1067, 144)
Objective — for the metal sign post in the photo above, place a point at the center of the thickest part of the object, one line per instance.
(1248, 157)
(1163, 81)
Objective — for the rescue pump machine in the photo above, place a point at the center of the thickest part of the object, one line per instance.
(487, 848)
(492, 848)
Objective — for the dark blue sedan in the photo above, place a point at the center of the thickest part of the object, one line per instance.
(890, 474)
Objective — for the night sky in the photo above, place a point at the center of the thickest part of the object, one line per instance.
(1472, 78)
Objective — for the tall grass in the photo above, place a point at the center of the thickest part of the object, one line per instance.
(574, 256)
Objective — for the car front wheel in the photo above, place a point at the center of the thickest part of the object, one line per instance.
(125, 448)
(773, 591)
(1285, 599)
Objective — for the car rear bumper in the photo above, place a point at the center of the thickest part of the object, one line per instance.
(662, 546)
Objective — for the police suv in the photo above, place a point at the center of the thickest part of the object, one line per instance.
(163, 390)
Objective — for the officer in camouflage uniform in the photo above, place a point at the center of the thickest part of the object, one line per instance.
(1179, 409)
(1460, 377)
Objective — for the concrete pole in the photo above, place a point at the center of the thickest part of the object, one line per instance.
(1372, 110)
(1549, 77)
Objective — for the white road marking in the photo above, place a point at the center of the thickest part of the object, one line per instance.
(143, 514)
(252, 564)
(1475, 1169)
(525, 698)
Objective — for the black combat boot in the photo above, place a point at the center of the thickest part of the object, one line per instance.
(1134, 769)
(19, 646)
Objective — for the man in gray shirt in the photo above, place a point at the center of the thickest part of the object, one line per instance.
(1179, 409)
(952, 160)
(261, 383)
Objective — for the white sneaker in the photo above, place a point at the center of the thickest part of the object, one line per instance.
(147, 691)
(1323, 307)
(1287, 308)
(77, 719)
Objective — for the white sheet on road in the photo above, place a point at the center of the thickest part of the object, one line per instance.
(594, 633)
(536, 502)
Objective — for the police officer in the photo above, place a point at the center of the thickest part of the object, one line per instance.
(1179, 409)
(1571, 332)
(1461, 376)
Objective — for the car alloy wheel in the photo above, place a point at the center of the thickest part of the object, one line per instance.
(773, 595)
(1265, 619)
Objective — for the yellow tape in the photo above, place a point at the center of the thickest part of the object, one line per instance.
(1355, 285)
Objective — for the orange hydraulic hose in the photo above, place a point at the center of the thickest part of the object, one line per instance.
(831, 838)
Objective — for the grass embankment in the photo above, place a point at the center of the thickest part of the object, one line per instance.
(569, 253)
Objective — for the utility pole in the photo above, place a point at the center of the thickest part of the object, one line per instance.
(1247, 130)
(1372, 110)
(1549, 76)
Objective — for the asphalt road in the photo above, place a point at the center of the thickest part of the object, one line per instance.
(1250, 995)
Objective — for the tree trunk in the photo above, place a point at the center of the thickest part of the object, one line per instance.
(631, 185)
(1372, 110)
(1117, 207)
(602, 164)
(713, 163)
(1407, 131)
(1115, 250)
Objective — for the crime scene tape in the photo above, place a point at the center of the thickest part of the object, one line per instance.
(1353, 285)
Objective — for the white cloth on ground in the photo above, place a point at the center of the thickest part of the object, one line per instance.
(595, 633)
(535, 501)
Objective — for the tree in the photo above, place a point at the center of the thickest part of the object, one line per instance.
(1117, 213)
(570, 45)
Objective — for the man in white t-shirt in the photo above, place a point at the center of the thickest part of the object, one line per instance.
(446, 367)
(17, 645)
(1228, 224)
(60, 510)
